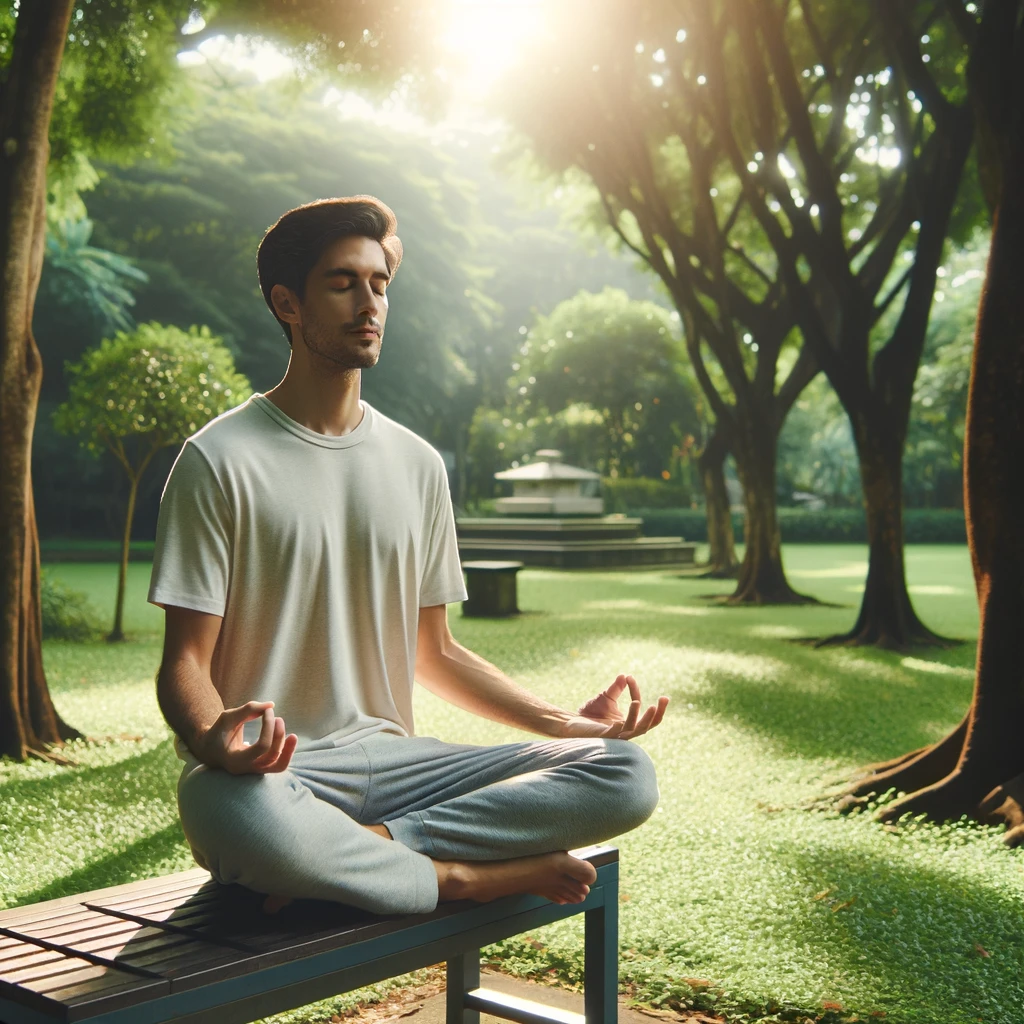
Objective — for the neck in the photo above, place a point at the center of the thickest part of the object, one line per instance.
(321, 398)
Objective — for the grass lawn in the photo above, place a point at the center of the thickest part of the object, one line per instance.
(736, 896)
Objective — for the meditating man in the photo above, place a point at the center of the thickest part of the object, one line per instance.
(305, 555)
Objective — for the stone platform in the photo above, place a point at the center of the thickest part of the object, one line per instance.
(583, 542)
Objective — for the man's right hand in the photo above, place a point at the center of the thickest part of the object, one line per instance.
(223, 746)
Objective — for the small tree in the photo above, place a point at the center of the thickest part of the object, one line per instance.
(621, 358)
(142, 391)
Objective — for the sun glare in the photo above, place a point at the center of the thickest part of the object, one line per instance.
(485, 37)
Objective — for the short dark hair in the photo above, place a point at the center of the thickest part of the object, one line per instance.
(291, 247)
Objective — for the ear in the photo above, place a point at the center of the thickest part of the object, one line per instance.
(286, 304)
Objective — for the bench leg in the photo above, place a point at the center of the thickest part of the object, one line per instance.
(463, 976)
(601, 959)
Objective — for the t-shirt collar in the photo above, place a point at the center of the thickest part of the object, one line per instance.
(353, 437)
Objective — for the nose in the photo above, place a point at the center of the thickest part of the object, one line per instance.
(368, 301)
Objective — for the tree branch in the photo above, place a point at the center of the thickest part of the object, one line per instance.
(902, 42)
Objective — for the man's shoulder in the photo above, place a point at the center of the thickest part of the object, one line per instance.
(401, 440)
(227, 429)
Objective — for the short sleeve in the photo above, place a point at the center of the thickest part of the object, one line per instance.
(192, 558)
(442, 581)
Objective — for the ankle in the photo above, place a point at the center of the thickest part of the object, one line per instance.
(454, 880)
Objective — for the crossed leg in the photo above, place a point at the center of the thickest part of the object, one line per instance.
(468, 822)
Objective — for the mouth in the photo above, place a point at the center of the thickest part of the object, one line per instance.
(365, 332)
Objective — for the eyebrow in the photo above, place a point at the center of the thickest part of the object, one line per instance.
(349, 272)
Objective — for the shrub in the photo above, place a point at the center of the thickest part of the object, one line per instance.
(824, 526)
(67, 614)
(621, 494)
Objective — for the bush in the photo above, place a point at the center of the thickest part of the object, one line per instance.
(806, 526)
(67, 614)
(628, 492)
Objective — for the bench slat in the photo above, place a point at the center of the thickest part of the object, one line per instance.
(77, 958)
(179, 878)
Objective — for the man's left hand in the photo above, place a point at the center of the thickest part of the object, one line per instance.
(602, 717)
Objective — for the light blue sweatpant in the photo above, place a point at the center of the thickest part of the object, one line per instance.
(298, 833)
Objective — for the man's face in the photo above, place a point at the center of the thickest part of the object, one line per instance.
(343, 311)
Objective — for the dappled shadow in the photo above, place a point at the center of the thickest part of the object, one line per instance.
(856, 705)
(864, 711)
(937, 942)
(150, 771)
(136, 861)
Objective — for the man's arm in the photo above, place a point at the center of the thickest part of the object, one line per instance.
(194, 710)
(464, 679)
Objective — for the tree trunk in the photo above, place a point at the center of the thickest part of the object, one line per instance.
(117, 633)
(722, 561)
(887, 617)
(986, 779)
(762, 579)
(28, 721)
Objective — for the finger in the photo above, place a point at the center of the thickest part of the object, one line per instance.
(266, 737)
(660, 714)
(245, 712)
(645, 723)
(634, 688)
(274, 751)
(615, 690)
(288, 748)
(631, 716)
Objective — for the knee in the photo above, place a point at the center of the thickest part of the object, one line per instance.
(638, 783)
(233, 822)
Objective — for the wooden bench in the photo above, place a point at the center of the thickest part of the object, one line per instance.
(185, 949)
(491, 589)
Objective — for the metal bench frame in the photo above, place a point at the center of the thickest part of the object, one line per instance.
(454, 936)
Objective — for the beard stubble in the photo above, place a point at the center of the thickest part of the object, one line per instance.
(336, 346)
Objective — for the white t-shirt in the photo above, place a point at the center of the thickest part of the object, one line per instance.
(318, 552)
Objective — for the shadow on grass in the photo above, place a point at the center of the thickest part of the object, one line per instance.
(828, 709)
(135, 862)
(861, 705)
(934, 945)
(151, 771)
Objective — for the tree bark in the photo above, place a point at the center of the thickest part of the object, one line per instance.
(722, 561)
(887, 618)
(978, 770)
(762, 578)
(117, 633)
(29, 724)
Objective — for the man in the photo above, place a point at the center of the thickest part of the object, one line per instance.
(305, 556)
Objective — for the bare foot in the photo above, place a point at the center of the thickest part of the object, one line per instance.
(558, 877)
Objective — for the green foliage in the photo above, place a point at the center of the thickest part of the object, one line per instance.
(621, 494)
(615, 365)
(719, 887)
(84, 282)
(933, 463)
(816, 453)
(156, 385)
(68, 614)
(811, 526)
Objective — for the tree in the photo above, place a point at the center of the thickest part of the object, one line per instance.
(140, 392)
(620, 358)
(632, 118)
(862, 132)
(978, 769)
(28, 721)
(63, 99)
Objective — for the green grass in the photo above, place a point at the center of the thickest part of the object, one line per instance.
(736, 897)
